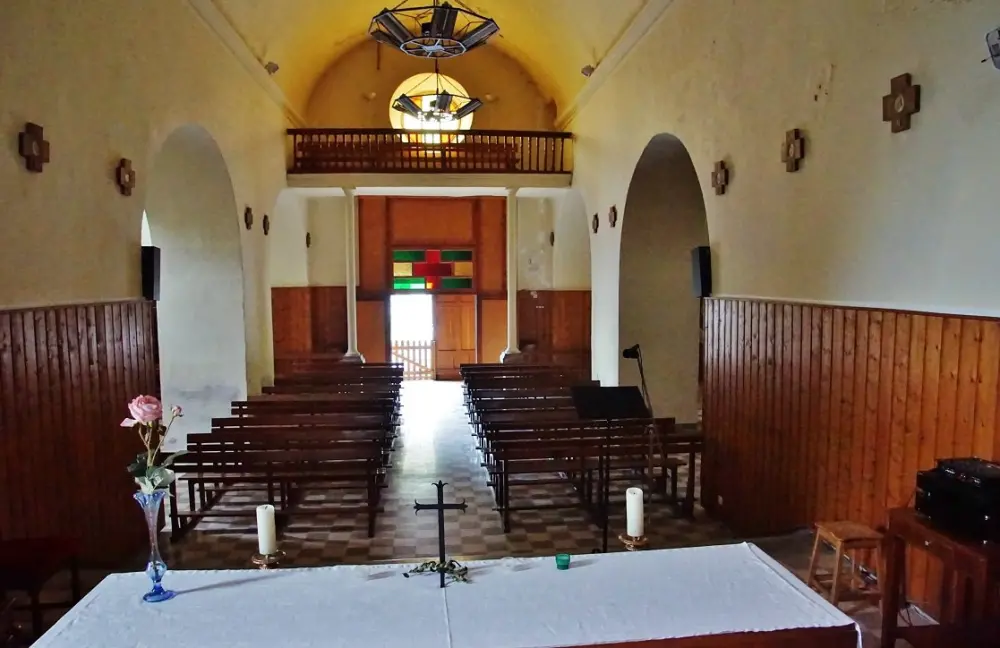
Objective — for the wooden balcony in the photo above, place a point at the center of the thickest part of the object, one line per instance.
(340, 150)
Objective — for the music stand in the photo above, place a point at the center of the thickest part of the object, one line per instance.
(607, 404)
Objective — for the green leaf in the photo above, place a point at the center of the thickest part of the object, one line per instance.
(138, 467)
(160, 477)
(170, 458)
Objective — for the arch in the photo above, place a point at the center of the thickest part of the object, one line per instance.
(193, 218)
(664, 218)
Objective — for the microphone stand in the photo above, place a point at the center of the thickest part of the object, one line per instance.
(654, 438)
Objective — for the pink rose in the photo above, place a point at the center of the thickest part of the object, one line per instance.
(145, 410)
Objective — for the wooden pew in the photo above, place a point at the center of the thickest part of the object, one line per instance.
(216, 463)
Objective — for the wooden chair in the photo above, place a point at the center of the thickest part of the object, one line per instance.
(26, 565)
(845, 538)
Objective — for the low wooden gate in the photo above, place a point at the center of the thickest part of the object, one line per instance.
(417, 357)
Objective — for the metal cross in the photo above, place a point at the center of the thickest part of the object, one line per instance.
(440, 507)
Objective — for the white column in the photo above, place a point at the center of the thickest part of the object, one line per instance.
(351, 241)
(511, 353)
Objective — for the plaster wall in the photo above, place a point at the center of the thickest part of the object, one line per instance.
(356, 91)
(571, 253)
(657, 308)
(873, 218)
(534, 224)
(105, 85)
(288, 257)
(328, 254)
(202, 355)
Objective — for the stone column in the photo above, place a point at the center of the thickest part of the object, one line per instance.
(512, 353)
(351, 241)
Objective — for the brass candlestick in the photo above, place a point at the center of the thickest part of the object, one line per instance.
(267, 561)
(633, 543)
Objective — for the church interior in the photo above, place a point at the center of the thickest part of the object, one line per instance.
(645, 323)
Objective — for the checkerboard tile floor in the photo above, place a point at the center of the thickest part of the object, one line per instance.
(435, 443)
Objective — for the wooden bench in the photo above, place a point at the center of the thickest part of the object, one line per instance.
(281, 466)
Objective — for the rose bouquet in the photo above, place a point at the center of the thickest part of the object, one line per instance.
(151, 469)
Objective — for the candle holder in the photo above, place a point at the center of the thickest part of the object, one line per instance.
(267, 561)
(633, 543)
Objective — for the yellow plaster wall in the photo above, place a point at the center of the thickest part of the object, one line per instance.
(905, 220)
(341, 96)
(113, 80)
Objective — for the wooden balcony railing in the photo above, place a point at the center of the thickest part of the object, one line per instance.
(417, 358)
(339, 150)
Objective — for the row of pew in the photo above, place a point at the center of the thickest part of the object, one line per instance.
(326, 426)
(529, 433)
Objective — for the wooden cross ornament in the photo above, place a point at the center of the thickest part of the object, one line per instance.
(720, 177)
(125, 176)
(902, 102)
(33, 148)
(794, 150)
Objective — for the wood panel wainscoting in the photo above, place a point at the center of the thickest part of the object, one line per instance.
(309, 320)
(818, 412)
(553, 327)
(66, 376)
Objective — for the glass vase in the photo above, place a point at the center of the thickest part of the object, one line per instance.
(155, 568)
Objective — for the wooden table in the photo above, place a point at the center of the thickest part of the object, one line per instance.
(970, 571)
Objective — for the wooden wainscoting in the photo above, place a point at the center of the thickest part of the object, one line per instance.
(309, 320)
(553, 326)
(824, 413)
(66, 376)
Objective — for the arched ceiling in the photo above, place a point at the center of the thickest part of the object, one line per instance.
(552, 39)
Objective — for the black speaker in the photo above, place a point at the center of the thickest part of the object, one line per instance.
(701, 271)
(150, 272)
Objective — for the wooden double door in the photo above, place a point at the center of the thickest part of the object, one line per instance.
(454, 334)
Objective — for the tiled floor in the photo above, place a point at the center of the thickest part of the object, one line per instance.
(436, 443)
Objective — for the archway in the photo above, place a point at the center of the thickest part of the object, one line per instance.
(664, 218)
(193, 219)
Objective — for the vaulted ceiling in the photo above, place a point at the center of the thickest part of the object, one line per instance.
(552, 39)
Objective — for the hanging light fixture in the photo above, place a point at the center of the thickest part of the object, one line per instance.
(440, 107)
(439, 30)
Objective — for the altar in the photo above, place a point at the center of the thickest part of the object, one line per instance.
(730, 595)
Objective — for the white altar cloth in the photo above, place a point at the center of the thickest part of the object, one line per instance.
(509, 603)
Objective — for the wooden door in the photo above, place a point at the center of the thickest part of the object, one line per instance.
(454, 334)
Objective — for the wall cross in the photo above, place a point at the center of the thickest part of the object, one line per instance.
(902, 102)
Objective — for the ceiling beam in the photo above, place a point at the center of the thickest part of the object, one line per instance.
(230, 38)
(641, 24)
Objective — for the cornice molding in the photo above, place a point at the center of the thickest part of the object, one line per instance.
(230, 38)
(641, 24)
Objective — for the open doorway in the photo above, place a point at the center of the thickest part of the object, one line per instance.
(411, 334)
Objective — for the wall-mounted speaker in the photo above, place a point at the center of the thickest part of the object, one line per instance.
(151, 272)
(701, 270)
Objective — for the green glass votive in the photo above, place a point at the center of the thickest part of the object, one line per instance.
(562, 561)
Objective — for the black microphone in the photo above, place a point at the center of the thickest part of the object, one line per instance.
(631, 353)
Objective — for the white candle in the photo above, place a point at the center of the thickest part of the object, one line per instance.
(267, 541)
(633, 512)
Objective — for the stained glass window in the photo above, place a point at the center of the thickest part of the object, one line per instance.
(432, 269)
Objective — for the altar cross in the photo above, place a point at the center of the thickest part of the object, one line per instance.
(440, 507)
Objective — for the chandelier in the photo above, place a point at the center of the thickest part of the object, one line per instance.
(439, 30)
(437, 107)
